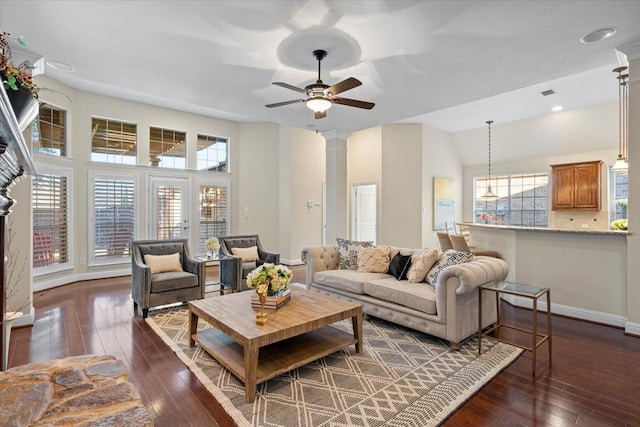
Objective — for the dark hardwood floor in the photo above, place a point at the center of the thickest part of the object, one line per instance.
(594, 379)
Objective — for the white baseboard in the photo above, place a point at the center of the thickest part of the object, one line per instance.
(55, 282)
(25, 320)
(574, 312)
(632, 328)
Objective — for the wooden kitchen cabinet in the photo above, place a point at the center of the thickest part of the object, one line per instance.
(576, 186)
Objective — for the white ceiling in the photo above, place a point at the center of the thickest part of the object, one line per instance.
(449, 64)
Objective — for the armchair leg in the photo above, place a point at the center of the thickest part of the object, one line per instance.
(145, 312)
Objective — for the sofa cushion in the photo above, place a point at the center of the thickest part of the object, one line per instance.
(412, 295)
(374, 260)
(399, 266)
(421, 263)
(450, 257)
(346, 280)
(348, 250)
(249, 254)
(163, 263)
(172, 281)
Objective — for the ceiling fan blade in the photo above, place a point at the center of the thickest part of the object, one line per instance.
(280, 104)
(288, 86)
(321, 114)
(353, 103)
(344, 85)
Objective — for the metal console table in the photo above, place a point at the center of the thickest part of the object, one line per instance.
(524, 291)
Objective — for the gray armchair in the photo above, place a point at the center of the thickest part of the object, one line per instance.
(150, 290)
(233, 271)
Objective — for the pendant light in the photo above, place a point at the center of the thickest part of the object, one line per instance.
(489, 194)
(621, 166)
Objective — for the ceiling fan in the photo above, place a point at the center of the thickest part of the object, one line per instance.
(320, 97)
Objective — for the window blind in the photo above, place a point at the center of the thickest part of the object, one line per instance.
(213, 214)
(50, 204)
(114, 216)
(169, 212)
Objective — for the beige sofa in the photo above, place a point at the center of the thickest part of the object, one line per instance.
(450, 311)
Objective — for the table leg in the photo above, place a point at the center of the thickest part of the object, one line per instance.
(479, 321)
(549, 321)
(356, 322)
(534, 349)
(193, 327)
(251, 351)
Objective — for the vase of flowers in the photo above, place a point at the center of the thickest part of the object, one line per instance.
(213, 245)
(269, 278)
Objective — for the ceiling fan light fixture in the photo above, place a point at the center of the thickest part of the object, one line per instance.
(319, 104)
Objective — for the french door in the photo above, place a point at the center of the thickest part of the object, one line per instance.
(169, 208)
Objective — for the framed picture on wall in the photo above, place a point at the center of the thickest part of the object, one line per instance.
(444, 203)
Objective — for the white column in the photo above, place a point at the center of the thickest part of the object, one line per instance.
(337, 186)
(633, 239)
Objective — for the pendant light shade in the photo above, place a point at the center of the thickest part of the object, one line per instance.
(621, 166)
(489, 194)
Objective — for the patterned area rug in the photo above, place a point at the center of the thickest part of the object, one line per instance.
(402, 378)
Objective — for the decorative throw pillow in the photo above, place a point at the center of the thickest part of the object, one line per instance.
(374, 260)
(348, 250)
(249, 254)
(450, 257)
(400, 266)
(421, 263)
(163, 263)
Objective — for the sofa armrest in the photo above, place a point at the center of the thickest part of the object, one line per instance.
(480, 270)
(197, 267)
(319, 258)
(271, 257)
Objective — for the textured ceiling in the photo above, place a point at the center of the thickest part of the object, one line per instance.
(450, 64)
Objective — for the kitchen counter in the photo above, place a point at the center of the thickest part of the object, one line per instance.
(547, 230)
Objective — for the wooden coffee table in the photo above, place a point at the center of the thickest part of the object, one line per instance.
(294, 335)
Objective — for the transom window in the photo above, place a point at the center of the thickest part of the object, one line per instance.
(113, 141)
(167, 148)
(50, 138)
(212, 153)
(522, 200)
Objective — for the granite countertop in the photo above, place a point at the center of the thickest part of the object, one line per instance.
(548, 230)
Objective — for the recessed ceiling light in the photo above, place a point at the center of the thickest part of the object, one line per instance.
(597, 35)
(61, 66)
(557, 108)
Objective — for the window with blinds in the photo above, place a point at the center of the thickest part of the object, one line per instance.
(213, 214)
(522, 200)
(169, 212)
(167, 148)
(50, 138)
(51, 228)
(113, 141)
(113, 213)
(212, 153)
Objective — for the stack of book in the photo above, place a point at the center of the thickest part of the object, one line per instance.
(273, 301)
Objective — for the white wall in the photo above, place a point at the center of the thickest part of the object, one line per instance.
(364, 164)
(258, 178)
(302, 177)
(401, 218)
(439, 160)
